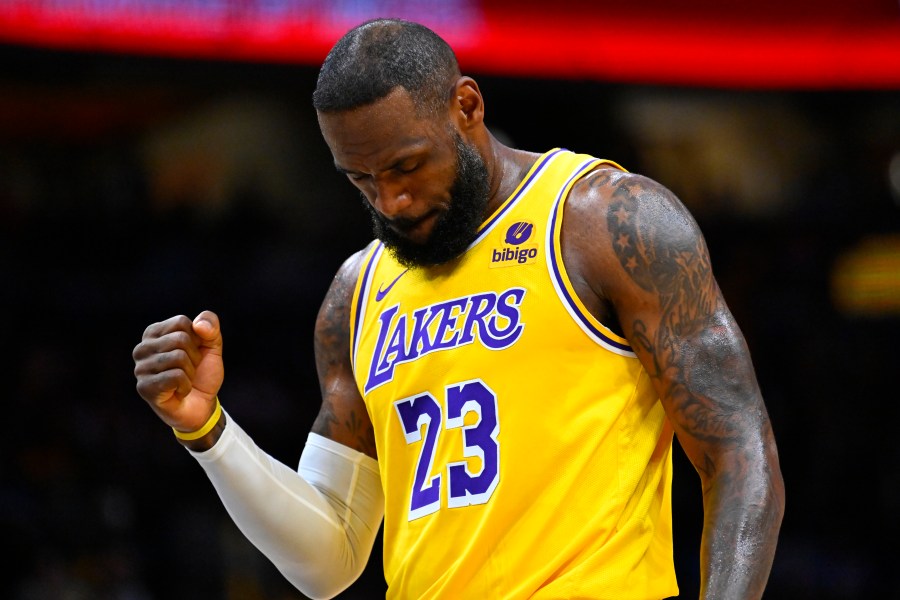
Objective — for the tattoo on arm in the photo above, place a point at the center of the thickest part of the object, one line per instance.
(347, 422)
(326, 420)
(676, 269)
(697, 356)
(327, 423)
(362, 431)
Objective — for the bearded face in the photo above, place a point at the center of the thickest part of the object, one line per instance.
(455, 228)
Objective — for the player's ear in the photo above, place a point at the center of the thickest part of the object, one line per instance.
(468, 104)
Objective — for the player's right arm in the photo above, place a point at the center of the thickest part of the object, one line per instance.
(343, 416)
(317, 524)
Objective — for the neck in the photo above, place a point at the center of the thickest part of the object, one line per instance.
(507, 167)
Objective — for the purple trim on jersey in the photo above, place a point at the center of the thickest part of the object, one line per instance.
(363, 295)
(555, 261)
(522, 188)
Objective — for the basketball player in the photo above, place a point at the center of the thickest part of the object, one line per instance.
(502, 370)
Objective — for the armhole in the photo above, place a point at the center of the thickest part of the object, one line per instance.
(361, 299)
(594, 329)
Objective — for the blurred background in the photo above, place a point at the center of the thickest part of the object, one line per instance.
(162, 157)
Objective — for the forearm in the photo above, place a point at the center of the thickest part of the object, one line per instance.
(742, 520)
(316, 526)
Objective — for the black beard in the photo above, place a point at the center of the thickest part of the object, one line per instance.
(454, 229)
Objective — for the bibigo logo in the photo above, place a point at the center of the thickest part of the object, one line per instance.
(513, 252)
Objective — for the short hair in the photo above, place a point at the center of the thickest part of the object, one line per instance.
(375, 57)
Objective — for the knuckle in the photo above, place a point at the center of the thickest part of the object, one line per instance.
(181, 338)
(143, 388)
(160, 329)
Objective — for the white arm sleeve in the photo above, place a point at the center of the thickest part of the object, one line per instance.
(317, 524)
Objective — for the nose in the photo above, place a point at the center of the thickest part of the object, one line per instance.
(391, 198)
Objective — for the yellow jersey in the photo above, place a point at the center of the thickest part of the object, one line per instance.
(523, 450)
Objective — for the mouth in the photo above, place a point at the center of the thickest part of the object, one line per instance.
(416, 230)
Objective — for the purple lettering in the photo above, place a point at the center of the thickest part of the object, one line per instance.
(481, 305)
(498, 338)
(395, 351)
(492, 319)
(419, 342)
(377, 377)
(448, 324)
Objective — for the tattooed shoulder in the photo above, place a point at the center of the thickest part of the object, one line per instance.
(333, 320)
(343, 415)
(654, 237)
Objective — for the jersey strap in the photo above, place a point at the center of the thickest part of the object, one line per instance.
(598, 332)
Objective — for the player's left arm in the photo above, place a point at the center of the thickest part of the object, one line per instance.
(648, 260)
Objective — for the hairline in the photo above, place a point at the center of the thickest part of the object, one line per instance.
(425, 105)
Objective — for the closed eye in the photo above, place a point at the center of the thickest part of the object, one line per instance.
(352, 175)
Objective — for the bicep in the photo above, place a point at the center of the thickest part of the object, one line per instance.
(343, 416)
(673, 312)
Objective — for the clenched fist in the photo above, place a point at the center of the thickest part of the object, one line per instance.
(179, 369)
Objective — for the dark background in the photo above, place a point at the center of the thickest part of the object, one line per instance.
(133, 189)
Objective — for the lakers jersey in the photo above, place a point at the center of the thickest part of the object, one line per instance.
(522, 448)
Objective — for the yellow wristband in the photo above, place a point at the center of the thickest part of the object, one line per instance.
(207, 427)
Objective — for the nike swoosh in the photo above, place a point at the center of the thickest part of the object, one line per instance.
(381, 293)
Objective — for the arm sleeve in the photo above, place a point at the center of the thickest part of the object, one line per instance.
(317, 524)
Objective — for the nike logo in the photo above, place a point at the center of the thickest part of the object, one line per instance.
(381, 293)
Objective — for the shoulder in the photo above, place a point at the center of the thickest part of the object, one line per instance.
(335, 307)
(603, 194)
(618, 226)
(347, 275)
(353, 265)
